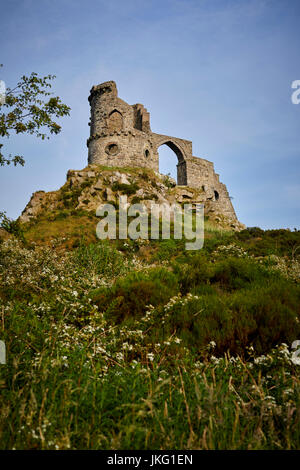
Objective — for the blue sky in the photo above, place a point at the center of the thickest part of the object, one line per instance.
(217, 72)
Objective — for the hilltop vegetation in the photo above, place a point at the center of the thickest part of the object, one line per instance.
(143, 345)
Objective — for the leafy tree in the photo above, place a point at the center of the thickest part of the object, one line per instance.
(28, 108)
(11, 226)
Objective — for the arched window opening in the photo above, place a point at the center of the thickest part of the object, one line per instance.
(115, 122)
(216, 195)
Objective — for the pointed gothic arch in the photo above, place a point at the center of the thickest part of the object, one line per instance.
(115, 121)
(173, 146)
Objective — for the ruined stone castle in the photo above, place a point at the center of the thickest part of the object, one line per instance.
(121, 136)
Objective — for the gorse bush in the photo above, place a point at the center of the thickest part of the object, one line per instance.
(234, 302)
(266, 315)
(167, 249)
(262, 317)
(197, 272)
(235, 273)
(229, 274)
(99, 258)
(124, 188)
(266, 242)
(129, 296)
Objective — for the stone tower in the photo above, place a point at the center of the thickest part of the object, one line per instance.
(121, 136)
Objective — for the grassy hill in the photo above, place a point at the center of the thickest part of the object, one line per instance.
(143, 345)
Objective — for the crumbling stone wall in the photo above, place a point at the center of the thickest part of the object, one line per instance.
(120, 135)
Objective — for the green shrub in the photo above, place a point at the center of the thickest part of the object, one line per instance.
(98, 258)
(229, 274)
(236, 273)
(197, 272)
(214, 238)
(199, 320)
(262, 316)
(266, 316)
(259, 242)
(70, 198)
(12, 226)
(166, 249)
(124, 188)
(87, 183)
(61, 215)
(129, 296)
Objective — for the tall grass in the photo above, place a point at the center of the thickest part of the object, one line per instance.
(105, 351)
(55, 397)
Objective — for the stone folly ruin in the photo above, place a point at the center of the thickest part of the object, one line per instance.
(121, 136)
(121, 148)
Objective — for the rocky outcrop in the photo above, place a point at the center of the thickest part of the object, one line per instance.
(88, 188)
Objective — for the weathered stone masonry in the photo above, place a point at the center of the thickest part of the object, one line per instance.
(121, 136)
